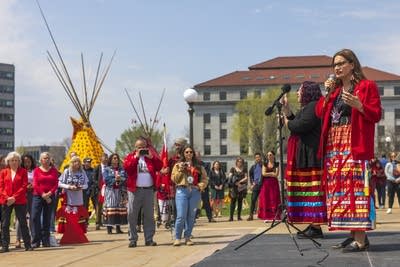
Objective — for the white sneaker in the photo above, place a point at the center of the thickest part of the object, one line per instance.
(389, 211)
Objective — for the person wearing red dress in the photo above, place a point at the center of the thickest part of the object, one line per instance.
(269, 198)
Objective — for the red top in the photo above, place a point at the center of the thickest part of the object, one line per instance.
(44, 182)
(13, 188)
(130, 166)
(363, 124)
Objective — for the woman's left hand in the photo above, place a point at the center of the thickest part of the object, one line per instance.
(352, 100)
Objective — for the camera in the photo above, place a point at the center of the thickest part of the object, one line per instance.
(143, 152)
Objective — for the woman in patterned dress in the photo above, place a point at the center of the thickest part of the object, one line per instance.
(349, 112)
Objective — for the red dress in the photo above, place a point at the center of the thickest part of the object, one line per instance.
(269, 198)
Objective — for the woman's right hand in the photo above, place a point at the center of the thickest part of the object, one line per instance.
(329, 85)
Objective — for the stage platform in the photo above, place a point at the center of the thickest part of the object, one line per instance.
(280, 250)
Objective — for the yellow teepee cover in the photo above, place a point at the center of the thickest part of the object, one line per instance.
(84, 143)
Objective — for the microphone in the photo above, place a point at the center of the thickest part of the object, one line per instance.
(332, 77)
(285, 89)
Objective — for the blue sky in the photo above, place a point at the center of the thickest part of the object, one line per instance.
(172, 45)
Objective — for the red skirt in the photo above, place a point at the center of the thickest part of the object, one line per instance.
(72, 224)
(269, 199)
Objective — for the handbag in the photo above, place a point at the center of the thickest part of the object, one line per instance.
(242, 187)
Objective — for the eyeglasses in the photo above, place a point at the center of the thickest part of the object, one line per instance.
(189, 152)
(340, 64)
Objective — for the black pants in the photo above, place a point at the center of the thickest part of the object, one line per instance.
(239, 200)
(205, 199)
(381, 191)
(20, 212)
(254, 197)
(392, 189)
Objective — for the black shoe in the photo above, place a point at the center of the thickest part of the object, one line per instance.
(97, 227)
(212, 220)
(109, 230)
(311, 232)
(132, 244)
(343, 244)
(353, 247)
(4, 249)
(250, 218)
(46, 245)
(305, 230)
(230, 219)
(151, 244)
(28, 248)
(118, 230)
(35, 245)
(239, 218)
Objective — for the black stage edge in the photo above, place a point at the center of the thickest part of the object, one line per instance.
(279, 250)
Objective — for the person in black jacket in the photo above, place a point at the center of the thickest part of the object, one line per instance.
(98, 182)
(306, 193)
(255, 174)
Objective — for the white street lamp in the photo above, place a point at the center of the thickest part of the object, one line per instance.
(190, 96)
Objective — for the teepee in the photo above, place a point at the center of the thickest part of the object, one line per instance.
(85, 142)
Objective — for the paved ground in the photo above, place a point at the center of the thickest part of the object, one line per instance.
(215, 243)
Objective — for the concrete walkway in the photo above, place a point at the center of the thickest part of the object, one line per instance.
(112, 250)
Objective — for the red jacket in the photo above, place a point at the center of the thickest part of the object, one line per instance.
(13, 188)
(363, 124)
(130, 165)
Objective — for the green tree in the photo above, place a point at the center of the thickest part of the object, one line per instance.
(126, 143)
(252, 129)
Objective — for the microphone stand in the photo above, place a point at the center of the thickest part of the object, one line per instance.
(282, 208)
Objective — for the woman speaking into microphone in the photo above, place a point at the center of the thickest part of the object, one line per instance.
(349, 112)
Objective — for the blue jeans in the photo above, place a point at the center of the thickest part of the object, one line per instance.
(41, 226)
(187, 201)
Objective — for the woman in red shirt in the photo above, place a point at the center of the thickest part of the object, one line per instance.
(13, 183)
(45, 184)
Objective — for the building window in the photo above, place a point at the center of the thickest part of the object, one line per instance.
(223, 150)
(383, 114)
(6, 131)
(300, 76)
(6, 117)
(6, 89)
(207, 150)
(243, 94)
(397, 90)
(381, 91)
(381, 130)
(397, 113)
(6, 145)
(207, 134)
(6, 75)
(314, 76)
(397, 130)
(222, 118)
(257, 94)
(223, 133)
(6, 103)
(222, 95)
(206, 96)
(207, 117)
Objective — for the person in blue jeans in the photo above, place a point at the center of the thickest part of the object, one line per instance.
(190, 179)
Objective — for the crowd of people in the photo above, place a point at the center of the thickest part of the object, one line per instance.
(331, 177)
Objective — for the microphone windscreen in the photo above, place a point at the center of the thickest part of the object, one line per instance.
(332, 76)
(286, 88)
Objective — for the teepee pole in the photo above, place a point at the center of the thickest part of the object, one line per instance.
(158, 109)
(144, 115)
(84, 88)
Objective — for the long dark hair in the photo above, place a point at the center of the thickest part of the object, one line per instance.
(195, 161)
(110, 159)
(24, 156)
